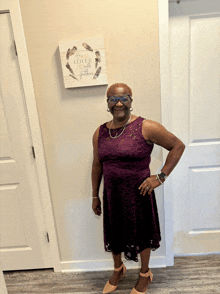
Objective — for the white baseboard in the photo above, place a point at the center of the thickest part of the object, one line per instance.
(107, 264)
(195, 254)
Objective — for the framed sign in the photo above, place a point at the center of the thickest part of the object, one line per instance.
(83, 62)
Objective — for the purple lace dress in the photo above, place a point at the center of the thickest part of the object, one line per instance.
(130, 220)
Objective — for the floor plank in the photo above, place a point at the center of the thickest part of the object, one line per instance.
(194, 274)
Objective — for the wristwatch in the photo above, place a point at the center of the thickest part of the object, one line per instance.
(162, 176)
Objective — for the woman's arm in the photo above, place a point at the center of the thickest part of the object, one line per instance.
(157, 134)
(173, 157)
(96, 167)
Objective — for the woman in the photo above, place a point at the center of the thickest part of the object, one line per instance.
(122, 149)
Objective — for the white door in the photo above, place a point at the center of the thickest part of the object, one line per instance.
(23, 237)
(195, 118)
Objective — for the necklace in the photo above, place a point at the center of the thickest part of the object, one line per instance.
(116, 136)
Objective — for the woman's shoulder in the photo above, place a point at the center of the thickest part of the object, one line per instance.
(149, 122)
(96, 133)
(149, 126)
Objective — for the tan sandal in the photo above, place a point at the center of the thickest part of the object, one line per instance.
(149, 273)
(110, 288)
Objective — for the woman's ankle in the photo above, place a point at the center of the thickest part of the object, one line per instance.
(144, 270)
(117, 265)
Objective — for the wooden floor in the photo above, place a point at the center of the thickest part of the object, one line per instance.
(197, 274)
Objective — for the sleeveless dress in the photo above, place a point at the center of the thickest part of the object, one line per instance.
(130, 220)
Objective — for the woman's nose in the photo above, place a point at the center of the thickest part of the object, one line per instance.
(119, 102)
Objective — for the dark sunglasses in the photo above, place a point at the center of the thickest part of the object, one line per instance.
(115, 99)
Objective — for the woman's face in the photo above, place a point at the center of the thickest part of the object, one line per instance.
(119, 109)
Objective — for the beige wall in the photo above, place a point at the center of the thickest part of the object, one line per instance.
(69, 117)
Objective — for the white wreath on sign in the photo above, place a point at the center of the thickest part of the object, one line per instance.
(97, 56)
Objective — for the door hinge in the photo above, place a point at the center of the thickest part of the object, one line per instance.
(48, 240)
(33, 151)
(15, 48)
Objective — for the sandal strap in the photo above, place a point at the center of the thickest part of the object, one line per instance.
(119, 268)
(146, 274)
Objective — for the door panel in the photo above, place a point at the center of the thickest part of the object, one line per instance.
(23, 242)
(195, 92)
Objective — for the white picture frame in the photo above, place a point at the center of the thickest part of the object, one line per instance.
(83, 62)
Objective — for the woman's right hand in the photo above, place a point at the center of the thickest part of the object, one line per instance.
(96, 206)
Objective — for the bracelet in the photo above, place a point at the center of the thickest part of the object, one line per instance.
(159, 179)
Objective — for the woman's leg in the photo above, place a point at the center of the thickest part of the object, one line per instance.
(143, 282)
(145, 258)
(117, 260)
(117, 274)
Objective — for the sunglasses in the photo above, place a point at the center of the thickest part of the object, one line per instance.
(115, 99)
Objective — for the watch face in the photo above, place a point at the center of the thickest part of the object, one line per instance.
(162, 175)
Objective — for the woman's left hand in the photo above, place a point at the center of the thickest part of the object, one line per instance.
(151, 183)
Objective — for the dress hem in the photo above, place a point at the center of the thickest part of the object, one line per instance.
(133, 252)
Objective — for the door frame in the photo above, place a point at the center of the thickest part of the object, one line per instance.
(3, 289)
(164, 55)
(166, 108)
(13, 7)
